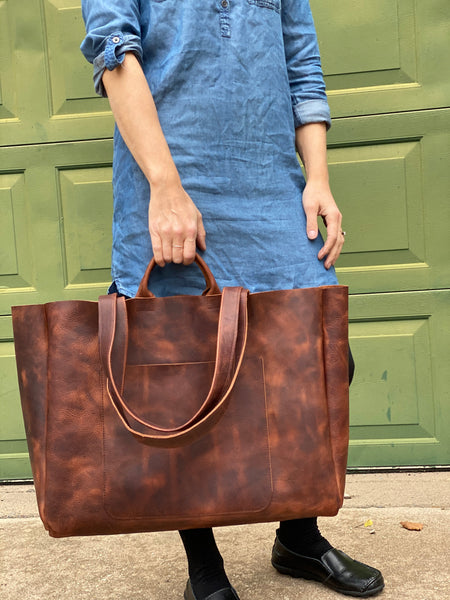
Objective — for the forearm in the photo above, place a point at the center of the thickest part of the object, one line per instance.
(311, 143)
(175, 223)
(135, 113)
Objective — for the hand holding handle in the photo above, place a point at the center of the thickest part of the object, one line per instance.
(211, 284)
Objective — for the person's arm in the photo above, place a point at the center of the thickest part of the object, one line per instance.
(317, 198)
(311, 120)
(175, 223)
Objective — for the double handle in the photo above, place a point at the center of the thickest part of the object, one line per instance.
(231, 341)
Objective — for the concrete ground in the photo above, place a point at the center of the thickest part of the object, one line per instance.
(151, 566)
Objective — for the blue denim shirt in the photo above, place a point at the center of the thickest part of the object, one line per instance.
(231, 80)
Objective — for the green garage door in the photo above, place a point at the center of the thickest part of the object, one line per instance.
(384, 62)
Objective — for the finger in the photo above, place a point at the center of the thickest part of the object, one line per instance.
(177, 249)
(155, 238)
(157, 248)
(166, 241)
(201, 233)
(189, 251)
(335, 251)
(328, 245)
(333, 233)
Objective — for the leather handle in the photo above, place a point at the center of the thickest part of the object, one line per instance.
(211, 284)
(231, 341)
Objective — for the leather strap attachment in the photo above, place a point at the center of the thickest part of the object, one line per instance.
(231, 341)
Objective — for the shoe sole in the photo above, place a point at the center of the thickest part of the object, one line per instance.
(305, 575)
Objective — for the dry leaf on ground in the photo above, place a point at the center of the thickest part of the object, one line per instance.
(411, 526)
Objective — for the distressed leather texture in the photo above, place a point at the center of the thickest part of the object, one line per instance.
(154, 414)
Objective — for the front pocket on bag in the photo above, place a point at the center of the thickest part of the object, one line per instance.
(207, 477)
(272, 4)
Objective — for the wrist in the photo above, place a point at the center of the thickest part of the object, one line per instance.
(317, 171)
(318, 181)
(163, 176)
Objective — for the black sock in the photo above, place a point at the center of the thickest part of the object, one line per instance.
(303, 536)
(205, 563)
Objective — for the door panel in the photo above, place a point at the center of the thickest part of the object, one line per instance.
(48, 93)
(85, 207)
(14, 460)
(8, 108)
(390, 177)
(70, 75)
(383, 56)
(398, 414)
(58, 200)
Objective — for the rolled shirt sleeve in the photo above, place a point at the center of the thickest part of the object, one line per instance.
(308, 97)
(112, 29)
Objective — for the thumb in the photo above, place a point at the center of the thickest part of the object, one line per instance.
(311, 222)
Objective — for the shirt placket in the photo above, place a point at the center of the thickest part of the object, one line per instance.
(224, 11)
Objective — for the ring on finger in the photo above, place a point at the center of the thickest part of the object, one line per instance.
(177, 246)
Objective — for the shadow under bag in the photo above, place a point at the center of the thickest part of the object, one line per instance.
(152, 414)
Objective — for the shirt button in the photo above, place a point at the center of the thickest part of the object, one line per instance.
(224, 3)
(116, 39)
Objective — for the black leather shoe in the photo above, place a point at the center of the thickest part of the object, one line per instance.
(334, 569)
(227, 593)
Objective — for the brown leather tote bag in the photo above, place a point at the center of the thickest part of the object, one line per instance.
(188, 411)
